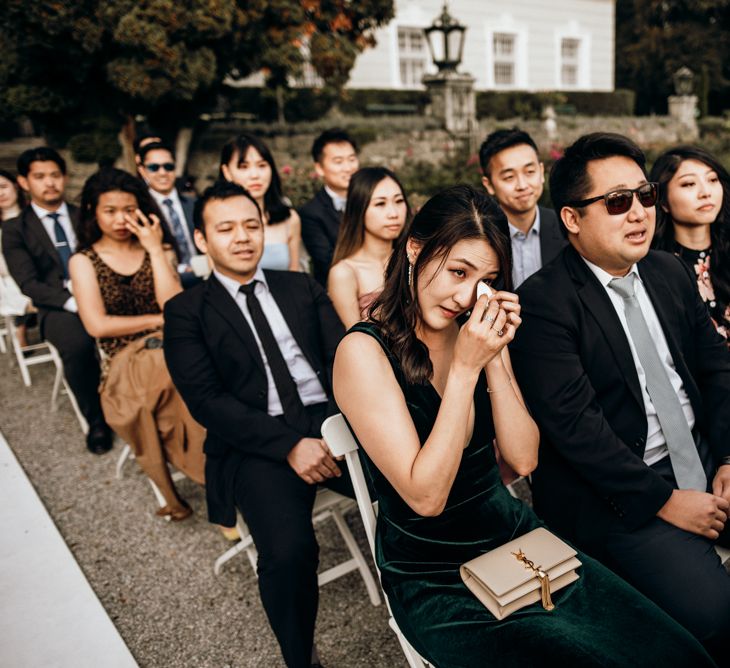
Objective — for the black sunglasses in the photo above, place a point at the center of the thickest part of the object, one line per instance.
(154, 166)
(620, 201)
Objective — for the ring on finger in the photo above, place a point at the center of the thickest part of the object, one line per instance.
(500, 332)
(489, 319)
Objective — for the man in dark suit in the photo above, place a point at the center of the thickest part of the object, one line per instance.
(157, 169)
(37, 246)
(251, 353)
(630, 385)
(513, 174)
(335, 159)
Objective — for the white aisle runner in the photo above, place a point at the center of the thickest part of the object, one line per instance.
(49, 615)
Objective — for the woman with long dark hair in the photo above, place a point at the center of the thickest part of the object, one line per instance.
(122, 276)
(375, 216)
(247, 161)
(693, 221)
(426, 398)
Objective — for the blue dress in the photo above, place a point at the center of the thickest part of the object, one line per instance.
(275, 256)
(599, 620)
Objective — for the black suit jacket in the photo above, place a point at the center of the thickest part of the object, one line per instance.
(552, 240)
(34, 262)
(573, 361)
(216, 366)
(320, 227)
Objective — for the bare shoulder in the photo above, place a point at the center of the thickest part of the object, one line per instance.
(361, 366)
(81, 262)
(342, 271)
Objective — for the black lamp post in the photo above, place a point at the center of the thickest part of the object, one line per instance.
(445, 38)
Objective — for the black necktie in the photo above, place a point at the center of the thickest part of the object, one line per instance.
(61, 242)
(294, 413)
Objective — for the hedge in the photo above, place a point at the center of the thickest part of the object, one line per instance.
(513, 104)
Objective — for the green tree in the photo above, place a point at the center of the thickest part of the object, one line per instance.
(654, 38)
(81, 67)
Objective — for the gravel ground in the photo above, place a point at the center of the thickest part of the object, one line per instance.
(155, 579)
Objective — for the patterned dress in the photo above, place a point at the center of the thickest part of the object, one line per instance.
(124, 294)
(699, 262)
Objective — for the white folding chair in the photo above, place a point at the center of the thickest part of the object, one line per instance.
(341, 443)
(327, 504)
(60, 382)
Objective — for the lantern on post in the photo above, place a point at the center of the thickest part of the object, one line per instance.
(445, 38)
(453, 100)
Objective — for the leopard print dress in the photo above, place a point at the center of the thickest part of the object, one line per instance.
(123, 294)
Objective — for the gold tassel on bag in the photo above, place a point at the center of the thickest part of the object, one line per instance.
(541, 575)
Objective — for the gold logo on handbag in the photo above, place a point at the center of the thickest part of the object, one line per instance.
(541, 575)
(507, 578)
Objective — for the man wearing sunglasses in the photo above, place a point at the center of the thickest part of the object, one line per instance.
(630, 385)
(157, 169)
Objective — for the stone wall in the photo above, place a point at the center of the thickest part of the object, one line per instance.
(395, 141)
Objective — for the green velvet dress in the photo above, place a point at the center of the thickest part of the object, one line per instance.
(598, 621)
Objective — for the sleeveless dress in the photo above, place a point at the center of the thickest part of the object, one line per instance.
(599, 620)
(124, 294)
(275, 256)
(138, 398)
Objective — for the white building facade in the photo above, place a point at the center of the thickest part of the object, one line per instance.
(528, 45)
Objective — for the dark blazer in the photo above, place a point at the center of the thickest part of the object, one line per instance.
(552, 239)
(34, 262)
(217, 368)
(320, 227)
(573, 361)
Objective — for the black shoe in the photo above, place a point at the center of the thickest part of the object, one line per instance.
(99, 439)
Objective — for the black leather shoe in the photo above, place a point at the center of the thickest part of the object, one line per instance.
(99, 439)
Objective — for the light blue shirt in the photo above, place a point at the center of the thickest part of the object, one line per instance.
(308, 386)
(526, 254)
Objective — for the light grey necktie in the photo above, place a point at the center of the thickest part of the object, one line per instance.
(683, 453)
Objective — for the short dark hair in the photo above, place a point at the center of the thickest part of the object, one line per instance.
(569, 179)
(330, 136)
(498, 141)
(155, 146)
(220, 190)
(137, 143)
(39, 154)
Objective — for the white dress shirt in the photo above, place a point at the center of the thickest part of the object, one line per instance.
(65, 221)
(656, 447)
(308, 385)
(177, 205)
(526, 253)
(338, 202)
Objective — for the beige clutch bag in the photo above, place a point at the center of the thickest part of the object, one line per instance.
(521, 572)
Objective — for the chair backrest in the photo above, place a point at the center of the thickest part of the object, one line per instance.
(342, 443)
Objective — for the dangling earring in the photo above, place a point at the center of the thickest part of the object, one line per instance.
(410, 273)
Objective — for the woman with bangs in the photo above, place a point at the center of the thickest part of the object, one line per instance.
(123, 272)
(247, 161)
(693, 222)
(427, 386)
(375, 217)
